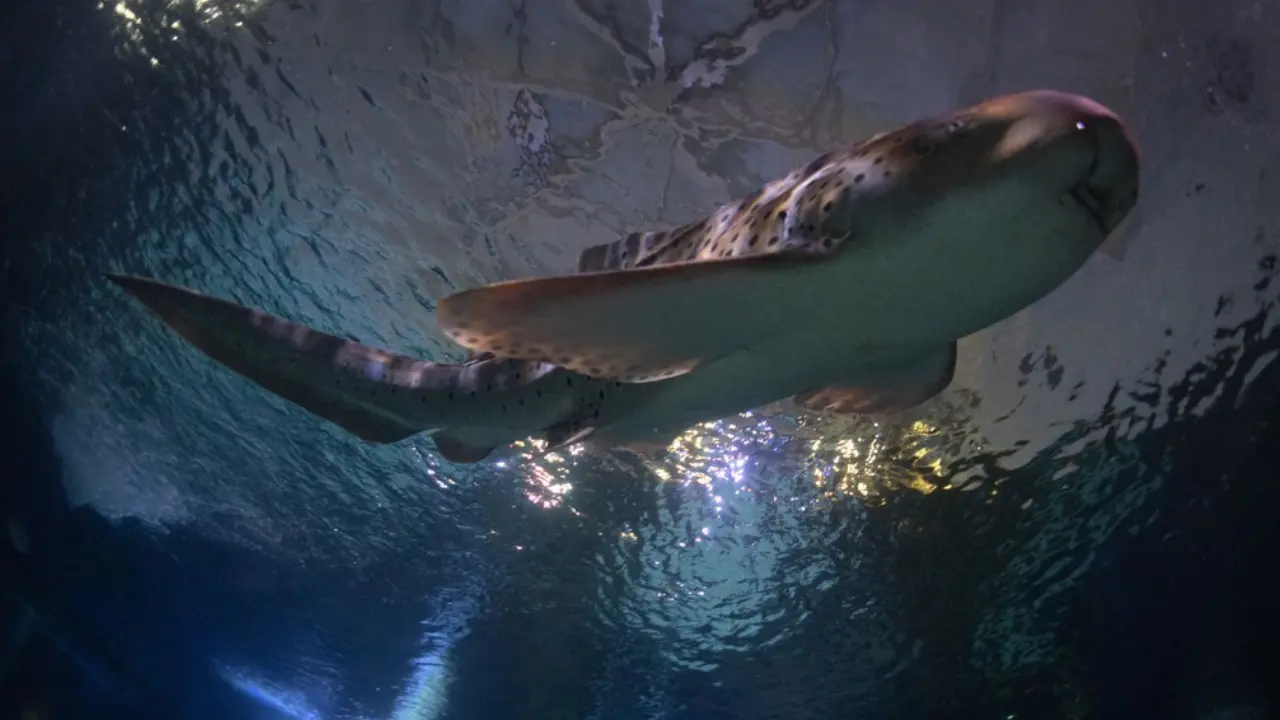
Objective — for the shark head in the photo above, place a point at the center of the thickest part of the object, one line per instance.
(996, 204)
(1042, 143)
(1045, 141)
(1059, 142)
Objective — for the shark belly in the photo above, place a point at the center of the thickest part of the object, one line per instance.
(886, 302)
(971, 260)
(786, 365)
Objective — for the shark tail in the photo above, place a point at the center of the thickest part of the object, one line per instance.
(379, 396)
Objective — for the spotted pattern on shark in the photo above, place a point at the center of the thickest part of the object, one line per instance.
(809, 209)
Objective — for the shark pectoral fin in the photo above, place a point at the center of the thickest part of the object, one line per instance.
(457, 451)
(636, 325)
(900, 388)
(361, 389)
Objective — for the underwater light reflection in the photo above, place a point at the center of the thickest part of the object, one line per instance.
(284, 701)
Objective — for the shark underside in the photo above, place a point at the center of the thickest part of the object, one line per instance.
(843, 285)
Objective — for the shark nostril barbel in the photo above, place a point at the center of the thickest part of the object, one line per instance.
(1088, 198)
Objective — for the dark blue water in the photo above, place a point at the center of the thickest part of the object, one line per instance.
(182, 547)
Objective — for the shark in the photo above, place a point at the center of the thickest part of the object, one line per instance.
(843, 286)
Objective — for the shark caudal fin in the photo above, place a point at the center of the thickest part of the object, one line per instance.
(380, 397)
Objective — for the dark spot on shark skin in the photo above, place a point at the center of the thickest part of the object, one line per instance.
(859, 177)
(773, 241)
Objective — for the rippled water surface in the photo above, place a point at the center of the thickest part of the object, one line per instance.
(347, 164)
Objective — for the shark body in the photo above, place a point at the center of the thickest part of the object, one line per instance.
(843, 285)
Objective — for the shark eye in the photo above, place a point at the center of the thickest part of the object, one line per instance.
(923, 145)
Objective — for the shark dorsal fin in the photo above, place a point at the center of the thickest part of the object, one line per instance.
(642, 249)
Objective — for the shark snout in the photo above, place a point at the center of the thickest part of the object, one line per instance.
(1108, 188)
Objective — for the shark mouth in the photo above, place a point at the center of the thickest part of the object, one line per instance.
(1087, 198)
